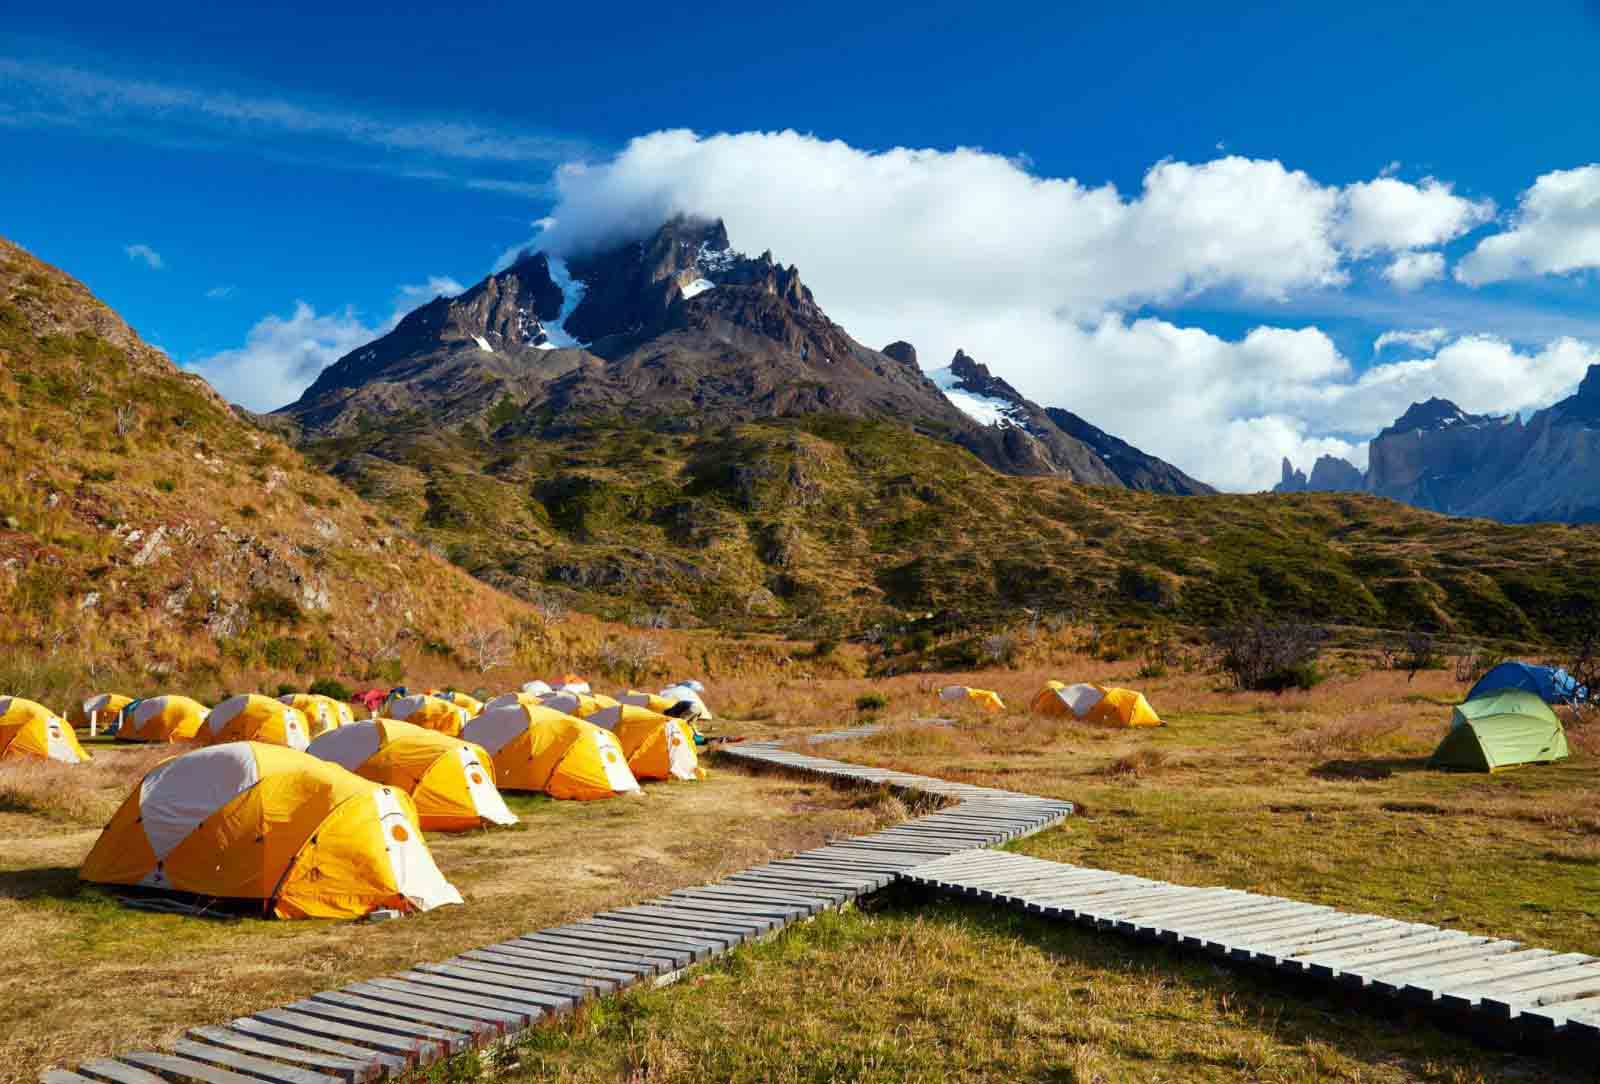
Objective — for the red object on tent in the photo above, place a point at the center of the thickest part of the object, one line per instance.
(372, 699)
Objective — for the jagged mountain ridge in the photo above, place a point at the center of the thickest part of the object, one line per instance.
(1439, 457)
(677, 331)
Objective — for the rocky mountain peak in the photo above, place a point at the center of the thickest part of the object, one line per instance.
(1583, 406)
(904, 353)
(1294, 481)
(1433, 415)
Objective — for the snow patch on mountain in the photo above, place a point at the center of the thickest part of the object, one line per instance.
(572, 291)
(483, 344)
(980, 408)
(698, 287)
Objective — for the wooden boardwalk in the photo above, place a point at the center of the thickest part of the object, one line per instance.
(1501, 986)
(383, 1026)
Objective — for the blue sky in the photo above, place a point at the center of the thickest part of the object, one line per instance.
(229, 179)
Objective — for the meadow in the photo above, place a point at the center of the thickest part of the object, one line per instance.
(1322, 795)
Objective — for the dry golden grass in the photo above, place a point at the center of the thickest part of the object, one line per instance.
(1319, 795)
(123, 979)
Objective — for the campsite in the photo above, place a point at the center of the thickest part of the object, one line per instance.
(1324, 795)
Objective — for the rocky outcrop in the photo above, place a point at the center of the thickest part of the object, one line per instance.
(1329, 474)
(1440, 457)
(1134, 468)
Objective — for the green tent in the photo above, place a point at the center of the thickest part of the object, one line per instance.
(1499, 731)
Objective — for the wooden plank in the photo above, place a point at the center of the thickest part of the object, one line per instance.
(778, 913)
(807, 903)
(1396, 983)
(672, 957)
(697, 919)
(1583, 989)
(607, 950)
(492, 974)
(356, 1070)
(592, 969)
(713, 940)
(377, 1062)
(1467, 997)
(416, 1050)
(251, 1065)
(173, 1067)
(1462, 986)
(461, 1031)
(118, 1073)
(448, 1040)
(63, 1076)
(601, 980)
(530, 972)
(1414, 961)
(500, 1021)
(458, 988)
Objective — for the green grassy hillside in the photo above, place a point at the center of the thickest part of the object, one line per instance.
(826, 525)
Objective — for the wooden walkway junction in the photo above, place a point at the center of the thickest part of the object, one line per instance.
(382, 1026)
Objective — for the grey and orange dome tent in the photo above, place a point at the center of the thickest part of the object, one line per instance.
(538, 748)
(450, 781)
(169, 718)
(657, 746)
(249, 717)
(31, 731)
(270, 827)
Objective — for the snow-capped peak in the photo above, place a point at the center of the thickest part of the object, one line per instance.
(483, 344)
(983, 409)
(697, 287)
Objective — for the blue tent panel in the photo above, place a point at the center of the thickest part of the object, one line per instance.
(1551, 684)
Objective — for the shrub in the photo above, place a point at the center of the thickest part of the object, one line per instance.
(871, 702)
(248, 511)
(329, 687)
(1269, 657)
(628, 657)
(1001, 649)
(823, 648)
(166, 485)
(285, 688)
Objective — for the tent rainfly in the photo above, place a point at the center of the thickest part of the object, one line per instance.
(168, 718)
(103, 708)
(32, 731)
(428, 711)
(297, 836)
(249, 717)
(1500, 731)
(1095, 704)
(985, 699)
(538, 748)
(1551, 684)
(323, 713)
(450, 781)
(657, 746)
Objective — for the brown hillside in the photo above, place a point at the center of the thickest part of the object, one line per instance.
(145, 529)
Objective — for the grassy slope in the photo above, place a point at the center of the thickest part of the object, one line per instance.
(829, 523)
(183, 544)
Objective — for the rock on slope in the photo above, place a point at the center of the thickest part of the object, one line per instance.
(142, 522)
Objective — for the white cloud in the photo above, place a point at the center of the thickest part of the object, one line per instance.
(282, 355)
(410, 296)
(876, 228)
(1034, 276)
(144, 254)
(1389, 214)
(1415, 340)
(1556, 230)
(1411, 270)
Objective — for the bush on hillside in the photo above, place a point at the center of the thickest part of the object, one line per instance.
(1267, 657)
(330, 687)
(871, 702)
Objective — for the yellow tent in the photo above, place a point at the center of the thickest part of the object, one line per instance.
(1096, 704)
(654, 701)
(450, 781)
(460, 700)
(537, 748)
(428, 711)
(249, 717)
(531, 699)
(691, 693)
(247, 821)
(984, 699)
(323, 713)
(657, 746)
(162, 718)
(102, 707)
(581, 705)
(33, 730)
